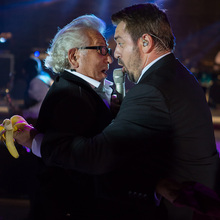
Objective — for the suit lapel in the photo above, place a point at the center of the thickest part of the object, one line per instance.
(163, 61)
(80, 82)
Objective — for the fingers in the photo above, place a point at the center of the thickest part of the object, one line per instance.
(17, 128)
(169, 189)
(22, 133)
(16, 134)
(25, 135)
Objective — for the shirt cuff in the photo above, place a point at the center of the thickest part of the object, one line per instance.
(36, 144)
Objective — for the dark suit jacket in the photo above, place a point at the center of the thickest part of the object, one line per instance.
(163, 129)
(73, 107)
(70, 107)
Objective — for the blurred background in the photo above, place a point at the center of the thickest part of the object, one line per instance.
(27, 27)
(26, 30)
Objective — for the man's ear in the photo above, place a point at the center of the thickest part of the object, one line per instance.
(146, 43)
(73, 58)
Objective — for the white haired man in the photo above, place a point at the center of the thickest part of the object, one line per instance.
(77, 103)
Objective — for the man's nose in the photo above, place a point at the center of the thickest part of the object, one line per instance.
(116, 53)
(109, 58)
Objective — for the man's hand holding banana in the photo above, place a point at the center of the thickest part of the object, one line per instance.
(18, 128)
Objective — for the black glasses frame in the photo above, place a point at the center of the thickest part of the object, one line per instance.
(103, 50)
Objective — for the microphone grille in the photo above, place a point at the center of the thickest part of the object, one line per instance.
(118, 75)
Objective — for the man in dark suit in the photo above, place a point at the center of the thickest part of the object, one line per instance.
(77, 103)
(164, 126)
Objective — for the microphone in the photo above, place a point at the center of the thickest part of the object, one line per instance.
(119, 80)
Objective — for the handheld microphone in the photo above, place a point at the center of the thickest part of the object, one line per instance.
(119, 80)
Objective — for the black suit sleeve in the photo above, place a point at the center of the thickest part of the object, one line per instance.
(125, 140)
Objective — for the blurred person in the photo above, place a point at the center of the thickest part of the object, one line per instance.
(38, 84)
(163, 128)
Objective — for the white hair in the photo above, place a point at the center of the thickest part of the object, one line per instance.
(71, 36)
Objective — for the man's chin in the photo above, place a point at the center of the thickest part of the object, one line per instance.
(131, 77)
(123, 70)
(104, 76)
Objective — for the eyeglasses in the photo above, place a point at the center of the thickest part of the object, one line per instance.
(103, 50)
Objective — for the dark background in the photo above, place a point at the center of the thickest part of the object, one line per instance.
(33, 23)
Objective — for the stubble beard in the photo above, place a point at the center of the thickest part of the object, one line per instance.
(134, 75)
(134, 62)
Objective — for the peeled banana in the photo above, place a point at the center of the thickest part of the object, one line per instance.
(7, 128)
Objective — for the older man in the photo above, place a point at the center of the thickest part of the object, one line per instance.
(77, 103)
(164, 126)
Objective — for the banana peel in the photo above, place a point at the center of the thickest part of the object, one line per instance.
(7, 128)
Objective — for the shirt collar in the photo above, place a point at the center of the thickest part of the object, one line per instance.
(103, 88)
(92, 82)
(149, 65)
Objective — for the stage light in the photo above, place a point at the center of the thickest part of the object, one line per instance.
(39, 53)
(36, 53)
(4, 36)
(2, 40)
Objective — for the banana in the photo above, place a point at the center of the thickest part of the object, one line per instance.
(7, 128)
